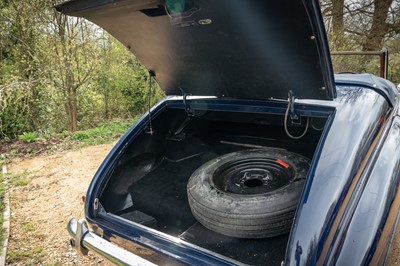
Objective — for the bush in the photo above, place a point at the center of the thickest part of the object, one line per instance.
(28, 137)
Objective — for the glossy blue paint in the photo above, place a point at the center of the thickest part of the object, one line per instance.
(363, 228)
(353, 129)
(382, 86)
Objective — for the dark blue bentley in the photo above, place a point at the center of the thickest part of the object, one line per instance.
(258, 155)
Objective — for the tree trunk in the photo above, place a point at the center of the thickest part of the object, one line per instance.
(69, 79)
(73, 125)
(106, 103)
(72, 102)
(379, 28)
(337, 17)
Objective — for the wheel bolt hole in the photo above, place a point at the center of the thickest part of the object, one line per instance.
(253, 183)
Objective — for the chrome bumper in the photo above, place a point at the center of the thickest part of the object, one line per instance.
(84, 240)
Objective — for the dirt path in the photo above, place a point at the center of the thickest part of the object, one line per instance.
(41, 209)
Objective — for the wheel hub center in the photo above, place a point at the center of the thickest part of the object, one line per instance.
(252, 176)
(255, 178)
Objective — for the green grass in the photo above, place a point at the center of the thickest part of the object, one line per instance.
(36, 254)
(28, 228)
(28, 137)
(52, 263)
(31, 144)
(104, 133)
(4, 159)
(20, 180)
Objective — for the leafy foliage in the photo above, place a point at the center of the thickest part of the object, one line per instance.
(103, 133)
(28, 137)
(60, 73)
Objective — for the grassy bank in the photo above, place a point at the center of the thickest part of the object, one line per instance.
(32, 143)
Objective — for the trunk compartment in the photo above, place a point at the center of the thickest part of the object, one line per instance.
(149, 182)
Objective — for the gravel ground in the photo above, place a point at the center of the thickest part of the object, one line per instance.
(46, 191)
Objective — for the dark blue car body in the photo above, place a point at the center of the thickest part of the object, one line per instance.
(349, 207)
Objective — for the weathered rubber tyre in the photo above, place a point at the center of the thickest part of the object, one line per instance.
(251, 211)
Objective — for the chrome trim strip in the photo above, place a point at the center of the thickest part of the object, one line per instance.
(85, 240)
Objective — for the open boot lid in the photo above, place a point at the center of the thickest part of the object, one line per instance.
(227, 48)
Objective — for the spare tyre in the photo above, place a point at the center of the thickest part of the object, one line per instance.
(249, 193)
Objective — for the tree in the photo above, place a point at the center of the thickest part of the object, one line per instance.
(379, 26)
(19, 68)
(364, 25)
(67, 53)
(367, 22)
